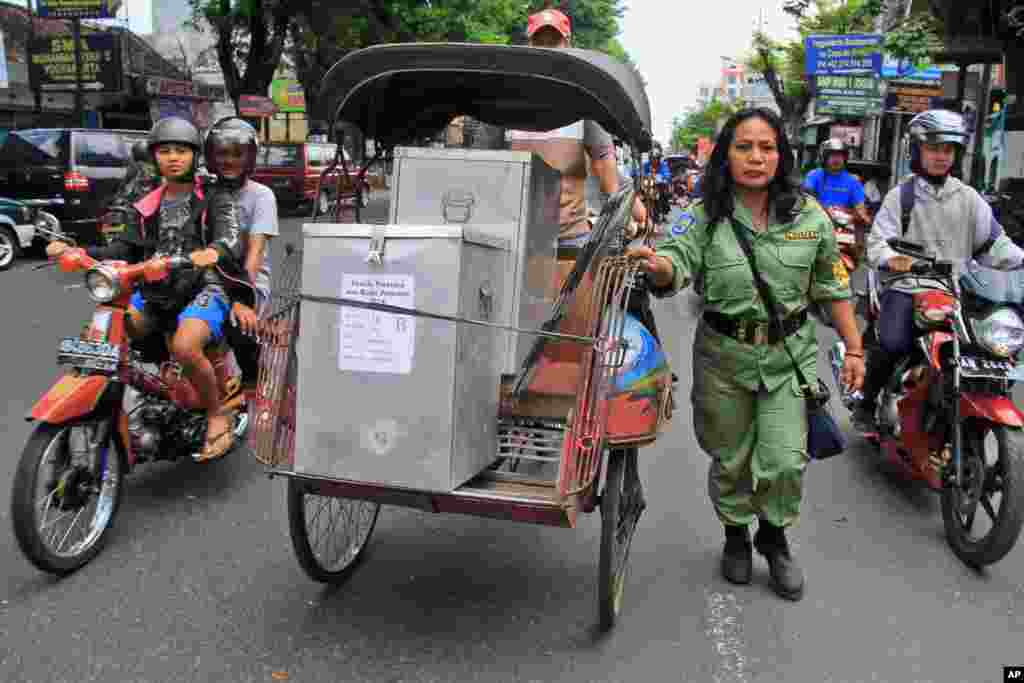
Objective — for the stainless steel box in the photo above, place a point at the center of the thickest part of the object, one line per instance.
(516, 193)
(399, 400)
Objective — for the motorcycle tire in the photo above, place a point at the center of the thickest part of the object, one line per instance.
(960, 505)
(26, 512)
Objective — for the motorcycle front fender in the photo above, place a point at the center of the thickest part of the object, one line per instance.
(71, 397)
(996, 409)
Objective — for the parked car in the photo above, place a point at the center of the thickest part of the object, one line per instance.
(69, 172)
(18, 223)
(292, 171)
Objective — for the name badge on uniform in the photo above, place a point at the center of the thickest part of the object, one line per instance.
(801, 235)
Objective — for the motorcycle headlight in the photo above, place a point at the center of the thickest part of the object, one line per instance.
(1001, 332)
(102, 284)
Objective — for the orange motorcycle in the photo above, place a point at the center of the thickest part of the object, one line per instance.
(70, 478)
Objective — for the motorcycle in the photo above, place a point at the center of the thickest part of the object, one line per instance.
(850, 253)
(680, 195)
(949, 402)
(846, 237)
(69, 481)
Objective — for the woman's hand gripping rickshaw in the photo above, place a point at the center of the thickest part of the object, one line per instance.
(560, 431)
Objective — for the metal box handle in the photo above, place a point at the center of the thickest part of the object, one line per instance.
(486, 301)
(457, 206)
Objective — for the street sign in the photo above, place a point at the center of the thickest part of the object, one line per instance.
(288, 95)
(910, 98)
(848, 95)
(53, 63)
(78, 9)
(255, 106)
(830, 55)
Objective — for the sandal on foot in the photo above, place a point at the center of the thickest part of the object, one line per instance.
(219, 445)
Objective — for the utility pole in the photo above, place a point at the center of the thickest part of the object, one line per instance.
(37, 91)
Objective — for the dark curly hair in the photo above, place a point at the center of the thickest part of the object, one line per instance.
(784, 194)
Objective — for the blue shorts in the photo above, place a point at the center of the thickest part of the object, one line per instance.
(210, 306)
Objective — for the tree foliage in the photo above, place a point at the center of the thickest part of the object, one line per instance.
(701, 122)
(250, 39)
(253, 35)
(782, 62)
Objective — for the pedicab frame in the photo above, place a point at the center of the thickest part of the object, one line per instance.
(396, 94)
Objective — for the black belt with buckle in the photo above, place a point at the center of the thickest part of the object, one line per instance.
(752, 331)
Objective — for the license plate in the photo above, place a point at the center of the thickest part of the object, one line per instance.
(88, 355)
(971, 366)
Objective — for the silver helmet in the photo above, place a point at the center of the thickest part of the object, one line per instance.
(937, 126)
(832, 145)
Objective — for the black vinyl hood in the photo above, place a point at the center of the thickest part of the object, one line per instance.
(400, 92)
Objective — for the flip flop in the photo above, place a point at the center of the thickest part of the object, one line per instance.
(218, 446)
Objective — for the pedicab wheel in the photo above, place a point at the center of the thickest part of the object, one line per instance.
(993, 483)
(330, 535)
(621, 505)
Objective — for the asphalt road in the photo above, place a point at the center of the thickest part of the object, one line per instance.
(198, 582)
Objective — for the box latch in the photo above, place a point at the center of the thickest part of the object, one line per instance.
(375, 256)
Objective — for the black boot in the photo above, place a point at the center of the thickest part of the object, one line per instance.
(737, 557)
(787, 577)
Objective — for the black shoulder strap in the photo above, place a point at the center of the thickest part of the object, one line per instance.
(907, 197)
(769, 301)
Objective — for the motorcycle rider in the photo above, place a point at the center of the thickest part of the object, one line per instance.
(662, 177)
(193, 305)
(942, 213)
(833, 185)
(230, 150)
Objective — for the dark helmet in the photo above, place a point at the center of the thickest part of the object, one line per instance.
(177, 130)
(140, 152)
(231, 131)
(656, 149)
(174, 130)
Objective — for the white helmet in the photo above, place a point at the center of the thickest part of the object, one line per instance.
(938, 125)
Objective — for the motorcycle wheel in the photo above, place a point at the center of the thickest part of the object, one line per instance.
(62, 514)
(993, 471)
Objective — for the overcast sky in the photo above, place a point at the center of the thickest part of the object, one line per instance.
(679, 44)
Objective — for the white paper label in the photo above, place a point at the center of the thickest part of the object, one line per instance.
(372, 341)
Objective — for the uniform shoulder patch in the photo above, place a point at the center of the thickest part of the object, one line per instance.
(682, 224)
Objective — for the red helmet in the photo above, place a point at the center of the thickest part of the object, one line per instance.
(230, 132)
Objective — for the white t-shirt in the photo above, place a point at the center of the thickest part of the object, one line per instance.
(257, 212)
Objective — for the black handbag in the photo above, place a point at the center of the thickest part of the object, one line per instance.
(824, 438)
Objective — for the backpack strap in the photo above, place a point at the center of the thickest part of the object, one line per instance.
(907, 198)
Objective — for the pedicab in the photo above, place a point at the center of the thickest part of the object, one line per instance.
(404, 389)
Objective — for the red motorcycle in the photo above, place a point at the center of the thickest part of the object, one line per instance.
(846, 236)
(946, 417)
(70, 477)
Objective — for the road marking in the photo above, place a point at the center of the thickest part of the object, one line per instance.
(723, 618)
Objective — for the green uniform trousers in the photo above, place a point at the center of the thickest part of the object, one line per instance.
(757, 441)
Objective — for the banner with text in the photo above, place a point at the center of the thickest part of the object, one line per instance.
(53, 63)
(848, 95)
(78, 9)
(843, 54)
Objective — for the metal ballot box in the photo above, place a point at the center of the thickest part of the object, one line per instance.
(516, 190)
(399, 400)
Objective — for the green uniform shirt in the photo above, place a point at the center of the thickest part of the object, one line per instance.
(799, 261)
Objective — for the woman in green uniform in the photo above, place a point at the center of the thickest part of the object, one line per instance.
(748, 408)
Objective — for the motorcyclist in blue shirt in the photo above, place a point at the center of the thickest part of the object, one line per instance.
(833, 185)
(662, 172)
